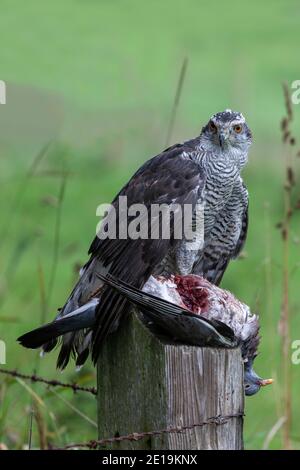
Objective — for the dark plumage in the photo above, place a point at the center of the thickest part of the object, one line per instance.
(203, 171)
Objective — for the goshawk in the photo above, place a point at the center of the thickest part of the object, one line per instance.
(205, 172)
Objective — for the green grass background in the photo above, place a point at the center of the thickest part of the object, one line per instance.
(97, 79)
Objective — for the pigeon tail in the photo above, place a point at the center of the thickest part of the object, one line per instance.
(82, 317)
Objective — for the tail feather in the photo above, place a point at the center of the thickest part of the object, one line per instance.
(49, 346)
(82, 357)
(83, 317)
(84, 350)
(44, 334)
(108, 318)
(67, 348)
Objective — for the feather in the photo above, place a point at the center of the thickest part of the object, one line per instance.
(180, 323)
(83, 317)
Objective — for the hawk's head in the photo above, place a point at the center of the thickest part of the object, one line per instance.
(227, 133)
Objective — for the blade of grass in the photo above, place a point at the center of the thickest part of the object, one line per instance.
(21, 191)
(31, 392)
(176, 100)
(73, 408)
(56, 238)
(30, 428)
(285, 317)
(273, 431)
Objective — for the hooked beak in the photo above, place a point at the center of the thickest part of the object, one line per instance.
(265, 382)
(222, 138)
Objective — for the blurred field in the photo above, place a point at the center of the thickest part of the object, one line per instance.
(97, 79)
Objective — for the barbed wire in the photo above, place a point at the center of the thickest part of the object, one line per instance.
(52, 382)
(136, 436)
(94, 444)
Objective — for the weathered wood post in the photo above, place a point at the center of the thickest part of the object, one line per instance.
(145, 385)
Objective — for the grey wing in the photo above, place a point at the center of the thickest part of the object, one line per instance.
(173, 321)
(226, 238)
(172, 177)
(169, 177)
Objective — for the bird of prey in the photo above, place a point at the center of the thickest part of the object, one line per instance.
(202, 171)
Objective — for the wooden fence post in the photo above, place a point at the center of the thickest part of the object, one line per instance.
(146, 385)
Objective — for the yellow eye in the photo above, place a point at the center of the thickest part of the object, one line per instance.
(237, 128)
(212, 127)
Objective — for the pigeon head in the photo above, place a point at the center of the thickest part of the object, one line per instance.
(252, 382)
(227, 134)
